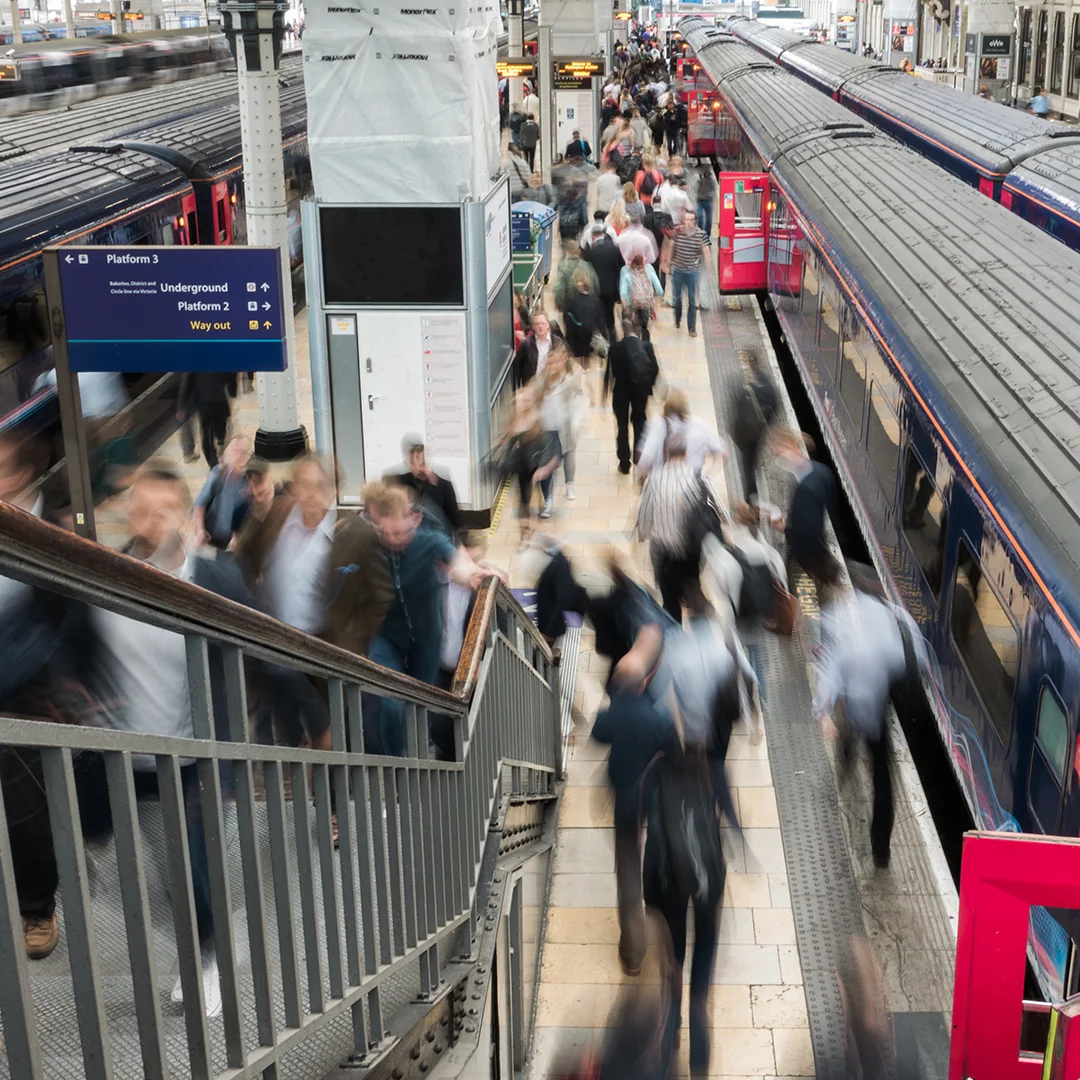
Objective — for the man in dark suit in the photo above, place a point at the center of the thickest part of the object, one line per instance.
(604, 256)
(577, 147)
(812, 503)
(207, 394)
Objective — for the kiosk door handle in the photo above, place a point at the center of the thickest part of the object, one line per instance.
(371, 399)
(367, 360)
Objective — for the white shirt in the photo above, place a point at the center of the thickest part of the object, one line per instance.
(608, 189)
(296, 574)
(456, 601)
(674, 201)
(145, 668)
(542, 350)
(531, 104)
(13, 594)
(700, 442)
(863, 654)
(103, 393)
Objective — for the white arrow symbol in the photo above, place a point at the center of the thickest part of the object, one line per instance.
(265, 287)
(68, 259)
(266, 306)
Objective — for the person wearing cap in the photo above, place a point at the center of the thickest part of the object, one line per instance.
(435, 493)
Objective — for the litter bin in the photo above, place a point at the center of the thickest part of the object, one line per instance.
(540, 222)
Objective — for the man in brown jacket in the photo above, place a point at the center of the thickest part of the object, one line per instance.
(321, 573)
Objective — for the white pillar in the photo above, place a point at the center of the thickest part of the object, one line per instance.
(257, 46)
(16, 23)
(546, 93)
(516, 46)
(69, 21)
(117, 17)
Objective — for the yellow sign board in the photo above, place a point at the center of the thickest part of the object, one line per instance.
(580, 66)
(515, 67)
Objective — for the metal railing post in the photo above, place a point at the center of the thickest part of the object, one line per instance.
(555, 683)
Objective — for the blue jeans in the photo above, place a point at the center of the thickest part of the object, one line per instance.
(421, 661)
(704, 216)
(685, 279)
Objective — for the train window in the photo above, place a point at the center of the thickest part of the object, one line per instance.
(192, 228)
(829, 335)
(1057, 56)
(1040, 48)
(24, 329)
(1074, 59)
(810, 289)
(1025, 44)
(167, 236)
(222, 214)
(883, 440)
(1052, 732)
(986, 639)
(852, 380)
(924, 520)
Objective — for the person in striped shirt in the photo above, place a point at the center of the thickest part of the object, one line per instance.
(687, 256)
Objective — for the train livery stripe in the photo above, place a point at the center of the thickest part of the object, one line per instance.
(1021, 194)
(815, 233)
(93, 228)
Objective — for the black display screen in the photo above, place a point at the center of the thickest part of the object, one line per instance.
(392, 255)
(500, 331)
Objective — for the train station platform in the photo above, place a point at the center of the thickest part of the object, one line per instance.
(801, 879)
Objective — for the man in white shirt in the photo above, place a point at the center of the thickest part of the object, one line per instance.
(676, 422)
(531, 104)
(608, 187)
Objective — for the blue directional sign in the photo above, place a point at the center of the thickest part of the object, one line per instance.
(173, 308)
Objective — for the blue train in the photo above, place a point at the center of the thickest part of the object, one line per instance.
(936, 335)
(174, 183)
(1030, 166)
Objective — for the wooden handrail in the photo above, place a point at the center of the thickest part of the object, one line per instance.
(38, 553)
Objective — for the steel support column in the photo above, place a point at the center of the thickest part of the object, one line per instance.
(255, 29)
(516, 46)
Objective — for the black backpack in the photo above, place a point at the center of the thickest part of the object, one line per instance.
(639, 365)
(907, 690)
(572, 216)
(690, 856)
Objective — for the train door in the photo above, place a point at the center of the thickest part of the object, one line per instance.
(1051, 759)
(220, 214)
(744, 232)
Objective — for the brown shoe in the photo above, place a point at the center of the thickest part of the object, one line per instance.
(41, 936)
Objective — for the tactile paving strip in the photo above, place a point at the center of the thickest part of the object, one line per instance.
(824, 897)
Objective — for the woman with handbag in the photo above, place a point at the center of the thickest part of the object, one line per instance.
(532, 454)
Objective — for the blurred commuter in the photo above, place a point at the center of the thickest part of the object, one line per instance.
(631, 373)
(528, 137)
(1040, 104)
(864, 654)
(207, 394)
(684, 864)
(530, 104)
(635, 208)
(519, 171)
(648, 179)
(435, 493)
(261, 492)
(637, 729)
(584, 322)
(608, 187)
(573, 216)
(813, 503)
(638, 288)
(144, 673)
(563, 401)
(700, 440)
(666, 518)
(640, 130)
(705, 197)
(756, 406)
(604, 256)
(46, 644)
(539, 192)
(867, 1024)
(532, 454)
(517, 118)
(577, 148)
(222, 504)
(687, 258)
(410, 637)
(759, 576)
(288, 555)
(566, 276)
(532, 353)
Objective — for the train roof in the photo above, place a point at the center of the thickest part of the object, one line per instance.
(97, 42)
(974, 299)
(1053, 179)
(46, 199)
(721, 55)
(98, 119)
(209, 145)
(994, 137)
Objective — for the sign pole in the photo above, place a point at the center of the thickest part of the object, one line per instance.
(70, 400)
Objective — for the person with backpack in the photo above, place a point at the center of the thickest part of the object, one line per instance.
(638, 289)
(647, 179)
(571, 263)
(868, 647)
(632, 371)
(222, 504)
(604, 256)
(678, 422)
(756, 405)
(573, 215)
(528, 137)
(656, 128)
(637, 729)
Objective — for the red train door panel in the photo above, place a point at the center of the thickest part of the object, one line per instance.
(744, 232)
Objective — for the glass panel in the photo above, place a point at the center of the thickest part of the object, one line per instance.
(1058, 64)
(222, 217)
(883, 441)
(924, 521)
(829, 334)
(1040, 50)
(987, 641)
(1052, 732)
(810, 288)
(852, 380)
(1074, 59)
(1025, 44)
(748, 209)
